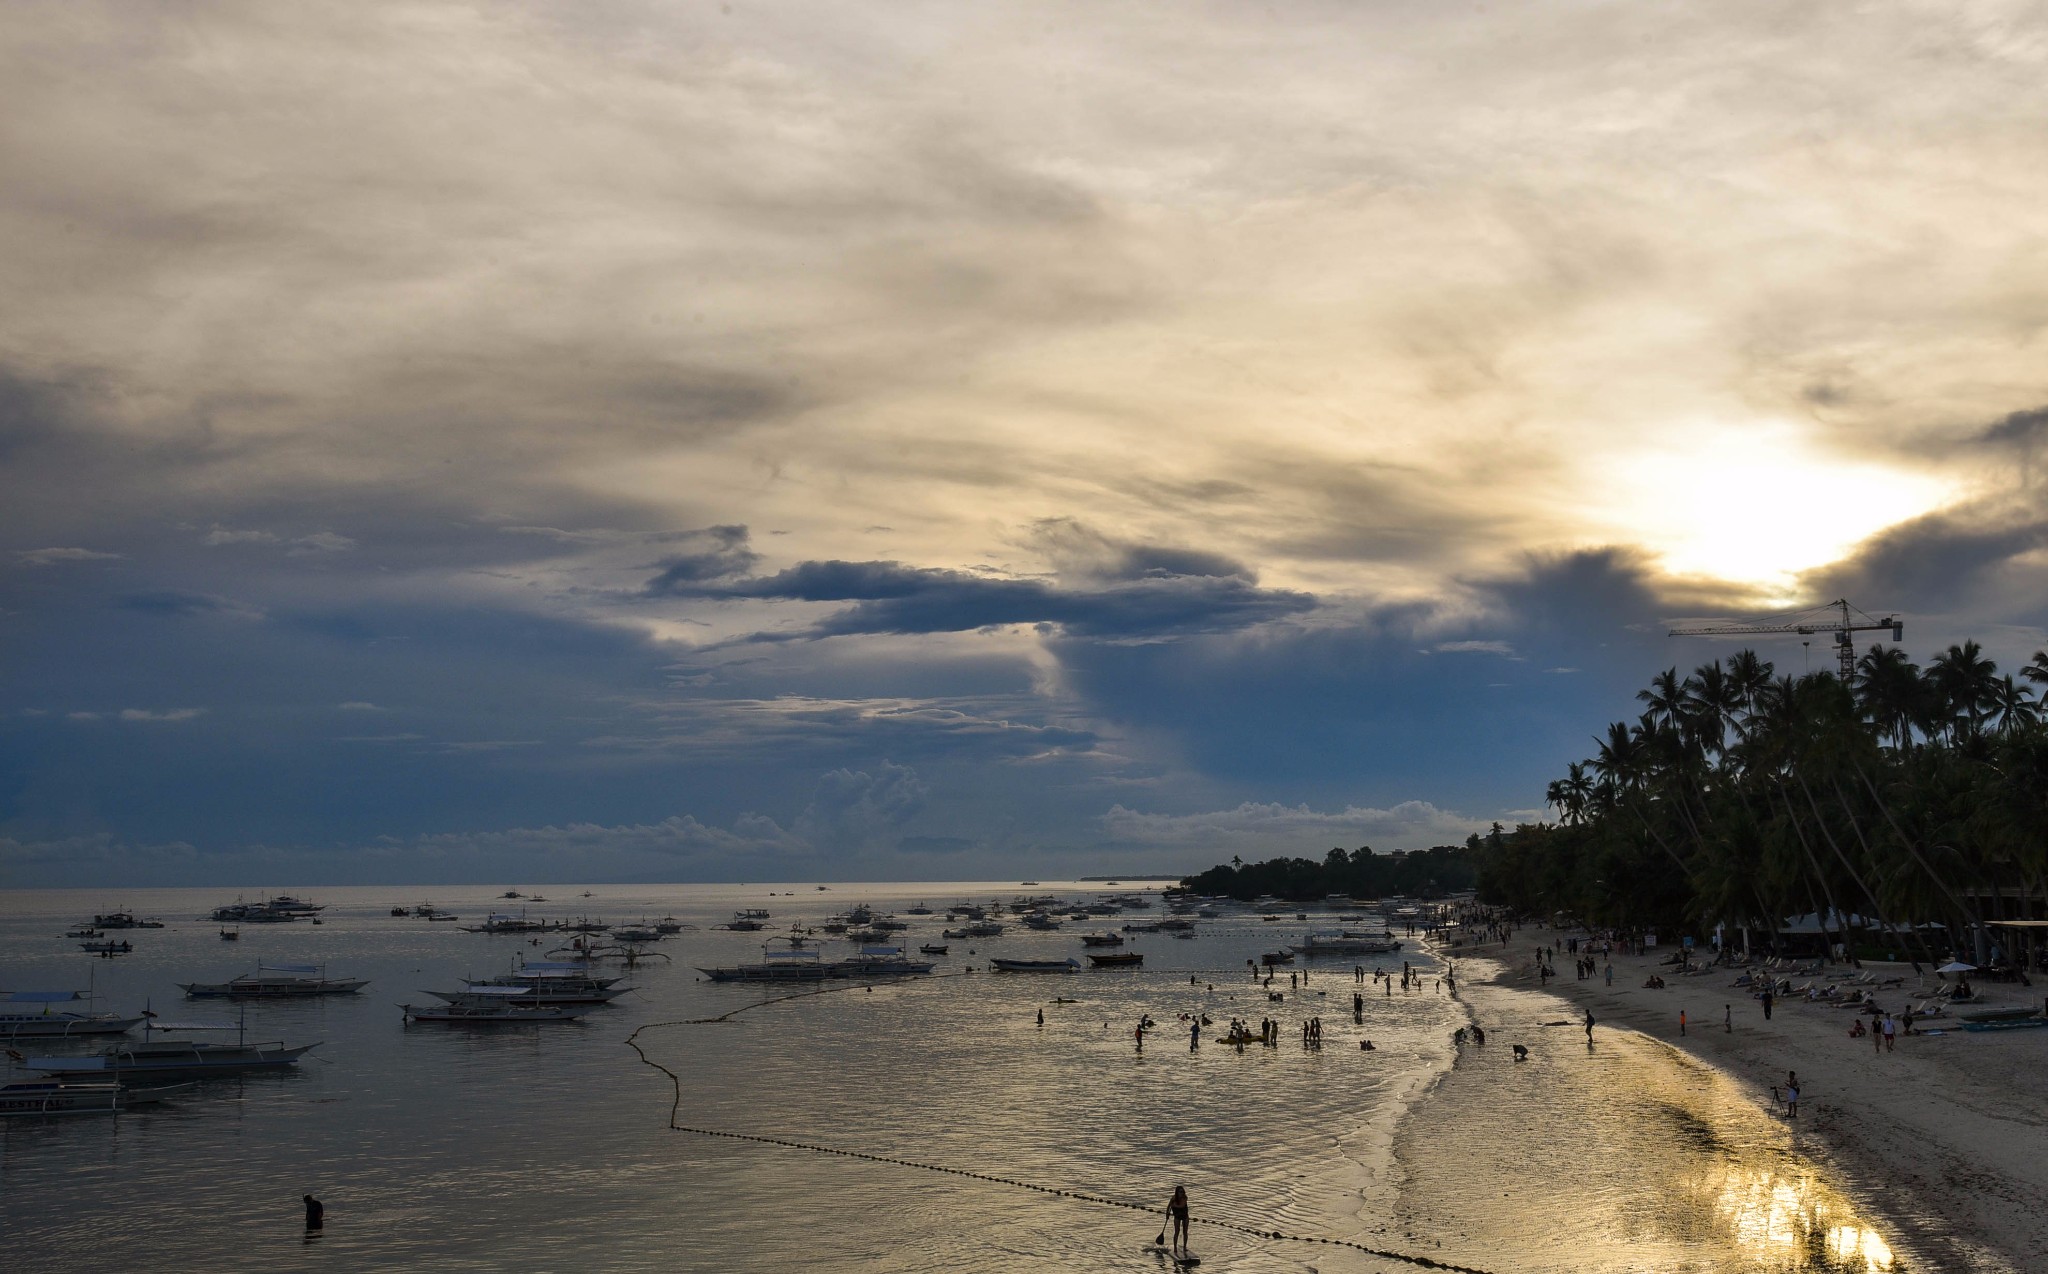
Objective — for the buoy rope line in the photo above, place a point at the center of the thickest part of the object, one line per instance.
(1081, 1196)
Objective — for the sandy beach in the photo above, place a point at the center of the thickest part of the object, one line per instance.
(1944, 1136)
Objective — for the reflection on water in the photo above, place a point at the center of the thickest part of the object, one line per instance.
(1626, 1156)
(452, 1148)
(1790, 1216)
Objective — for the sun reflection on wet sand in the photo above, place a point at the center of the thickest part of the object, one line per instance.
(1781, 1215)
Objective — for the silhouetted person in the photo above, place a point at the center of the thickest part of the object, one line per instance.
(1177, 1212)
(315, 1213)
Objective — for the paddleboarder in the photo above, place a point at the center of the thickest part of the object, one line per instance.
(1177, 1212)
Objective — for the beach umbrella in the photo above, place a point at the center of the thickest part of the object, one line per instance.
(1957, 966)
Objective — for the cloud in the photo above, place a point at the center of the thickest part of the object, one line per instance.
(1294, 829)
(169, 714)
(174, 601)
(718, 552)
(359, 705)
(853, 809)
(220, 535)
(890, 597)
(52, 556)
(1476, 647)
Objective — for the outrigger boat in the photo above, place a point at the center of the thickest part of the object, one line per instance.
(107, 948)
(177, 1057)
(73, 1097)
(491, 1006)
(275, 982)
(1346, 942)
(805, 965)
(18, 1022)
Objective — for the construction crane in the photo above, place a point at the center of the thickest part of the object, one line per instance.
(1838, 617)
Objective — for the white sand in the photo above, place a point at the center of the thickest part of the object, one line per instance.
(1948, 1135)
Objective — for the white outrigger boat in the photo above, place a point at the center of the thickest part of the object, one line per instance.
(275, 982)
(19, 1022)
(1346, 942)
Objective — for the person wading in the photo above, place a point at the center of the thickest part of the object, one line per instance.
(1177, 1213)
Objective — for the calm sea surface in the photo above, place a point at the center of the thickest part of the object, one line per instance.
(548, 1147)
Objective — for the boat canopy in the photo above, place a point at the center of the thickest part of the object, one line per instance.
(43, 997)
(287, 968)
(554, 966)
(479, 988)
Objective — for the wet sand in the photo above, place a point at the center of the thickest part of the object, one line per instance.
(1944, 1138)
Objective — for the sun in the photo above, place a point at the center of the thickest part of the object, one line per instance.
(1754, 503)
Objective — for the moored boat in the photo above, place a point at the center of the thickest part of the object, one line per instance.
(76, 1097)
(19, 1021)
(1346, 942)
(1035, 966)
(1117, 959)
(275, 982)
(153, 1057)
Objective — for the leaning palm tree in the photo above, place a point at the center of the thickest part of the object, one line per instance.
(2037, 669)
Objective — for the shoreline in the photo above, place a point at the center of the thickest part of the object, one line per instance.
(1943, 1137)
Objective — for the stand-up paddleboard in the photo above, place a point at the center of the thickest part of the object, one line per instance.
(1184, 1262)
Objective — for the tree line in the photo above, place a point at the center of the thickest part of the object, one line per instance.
(1427, 873)
(1912, 799)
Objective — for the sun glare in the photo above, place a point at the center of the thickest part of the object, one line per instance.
(1755, 504)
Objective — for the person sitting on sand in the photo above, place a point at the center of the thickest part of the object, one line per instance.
(1521, 1053)
(1856, 1030)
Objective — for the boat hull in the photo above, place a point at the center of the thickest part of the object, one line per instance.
(1034, 966)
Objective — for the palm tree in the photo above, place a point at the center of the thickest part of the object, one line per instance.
(1964, 681)
(1892, 694)
(2037, 670)
(2015, 706)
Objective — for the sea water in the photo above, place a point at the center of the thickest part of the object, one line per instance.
(978, 1139)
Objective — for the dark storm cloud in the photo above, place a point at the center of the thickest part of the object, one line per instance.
(718, 552)
(889, 597)
(1941, 561)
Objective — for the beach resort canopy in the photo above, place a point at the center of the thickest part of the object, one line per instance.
(1957, 966)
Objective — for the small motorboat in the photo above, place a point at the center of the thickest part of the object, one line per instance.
(1117, 960)
(230, 935)
(932, 948)
(75, 1097)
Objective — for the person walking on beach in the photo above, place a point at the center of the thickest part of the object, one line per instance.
(1768, 998)
(1681, 1021)
(1728, 1018)
(1589, 1028)
(1891, 1033)
(1177, 1213)
(1876, 1034)
(1610, 973)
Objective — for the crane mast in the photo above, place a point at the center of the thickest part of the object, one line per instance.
(1838, 618)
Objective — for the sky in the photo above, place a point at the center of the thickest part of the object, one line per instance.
(787, 441)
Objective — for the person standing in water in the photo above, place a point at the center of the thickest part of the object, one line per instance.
(1194, 1035)
(316, 1213)
(1177, 1213)
(1041, 1019)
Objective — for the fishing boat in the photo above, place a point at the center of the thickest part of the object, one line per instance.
(636, 933)
(555, 982)
(1102, 940)
(74, 1097)
(1035, 966)
(932, 949)
(18, 1021)
(804, 965)
(1117, 960)
(107, 948)
(490, 1006)
(275, 982)
(668, 925)
(1346, 942)
(231, 935)
(116, 920)
(154, 1057)
(502, 922)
